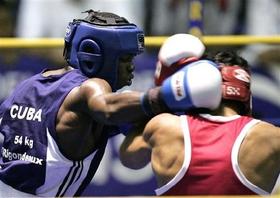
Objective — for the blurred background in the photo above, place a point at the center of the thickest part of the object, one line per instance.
(49, 18)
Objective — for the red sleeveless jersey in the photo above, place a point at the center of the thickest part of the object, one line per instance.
(210, 166)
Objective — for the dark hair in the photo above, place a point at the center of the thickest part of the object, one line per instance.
(231, 58)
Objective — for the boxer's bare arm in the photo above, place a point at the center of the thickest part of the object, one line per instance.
(259, 155)
(95, 98)
(162, 144)
(164, 135)
(135, 152)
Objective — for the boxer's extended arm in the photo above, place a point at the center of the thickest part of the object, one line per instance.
(196, 86)
(107, 107)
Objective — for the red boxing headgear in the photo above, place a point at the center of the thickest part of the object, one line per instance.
(236, 84)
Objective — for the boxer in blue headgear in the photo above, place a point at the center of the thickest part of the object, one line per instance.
(56, 124)
(95, 44)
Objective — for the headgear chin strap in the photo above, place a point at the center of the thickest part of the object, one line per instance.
(95, 49)
(236, 85)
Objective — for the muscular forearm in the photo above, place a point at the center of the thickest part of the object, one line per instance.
(116, 108)
(138, 106)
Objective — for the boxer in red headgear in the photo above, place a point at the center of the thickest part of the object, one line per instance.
(222, 152)
(181, 50)
(236, 84)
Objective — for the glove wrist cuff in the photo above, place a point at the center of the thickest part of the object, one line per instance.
(152, 102)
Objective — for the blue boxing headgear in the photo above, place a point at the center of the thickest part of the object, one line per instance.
(95, 44)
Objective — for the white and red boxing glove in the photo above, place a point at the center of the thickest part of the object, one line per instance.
(176, 52)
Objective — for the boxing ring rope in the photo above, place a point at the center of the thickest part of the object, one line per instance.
(150, 41)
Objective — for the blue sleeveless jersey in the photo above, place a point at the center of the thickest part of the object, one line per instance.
(31, 161)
